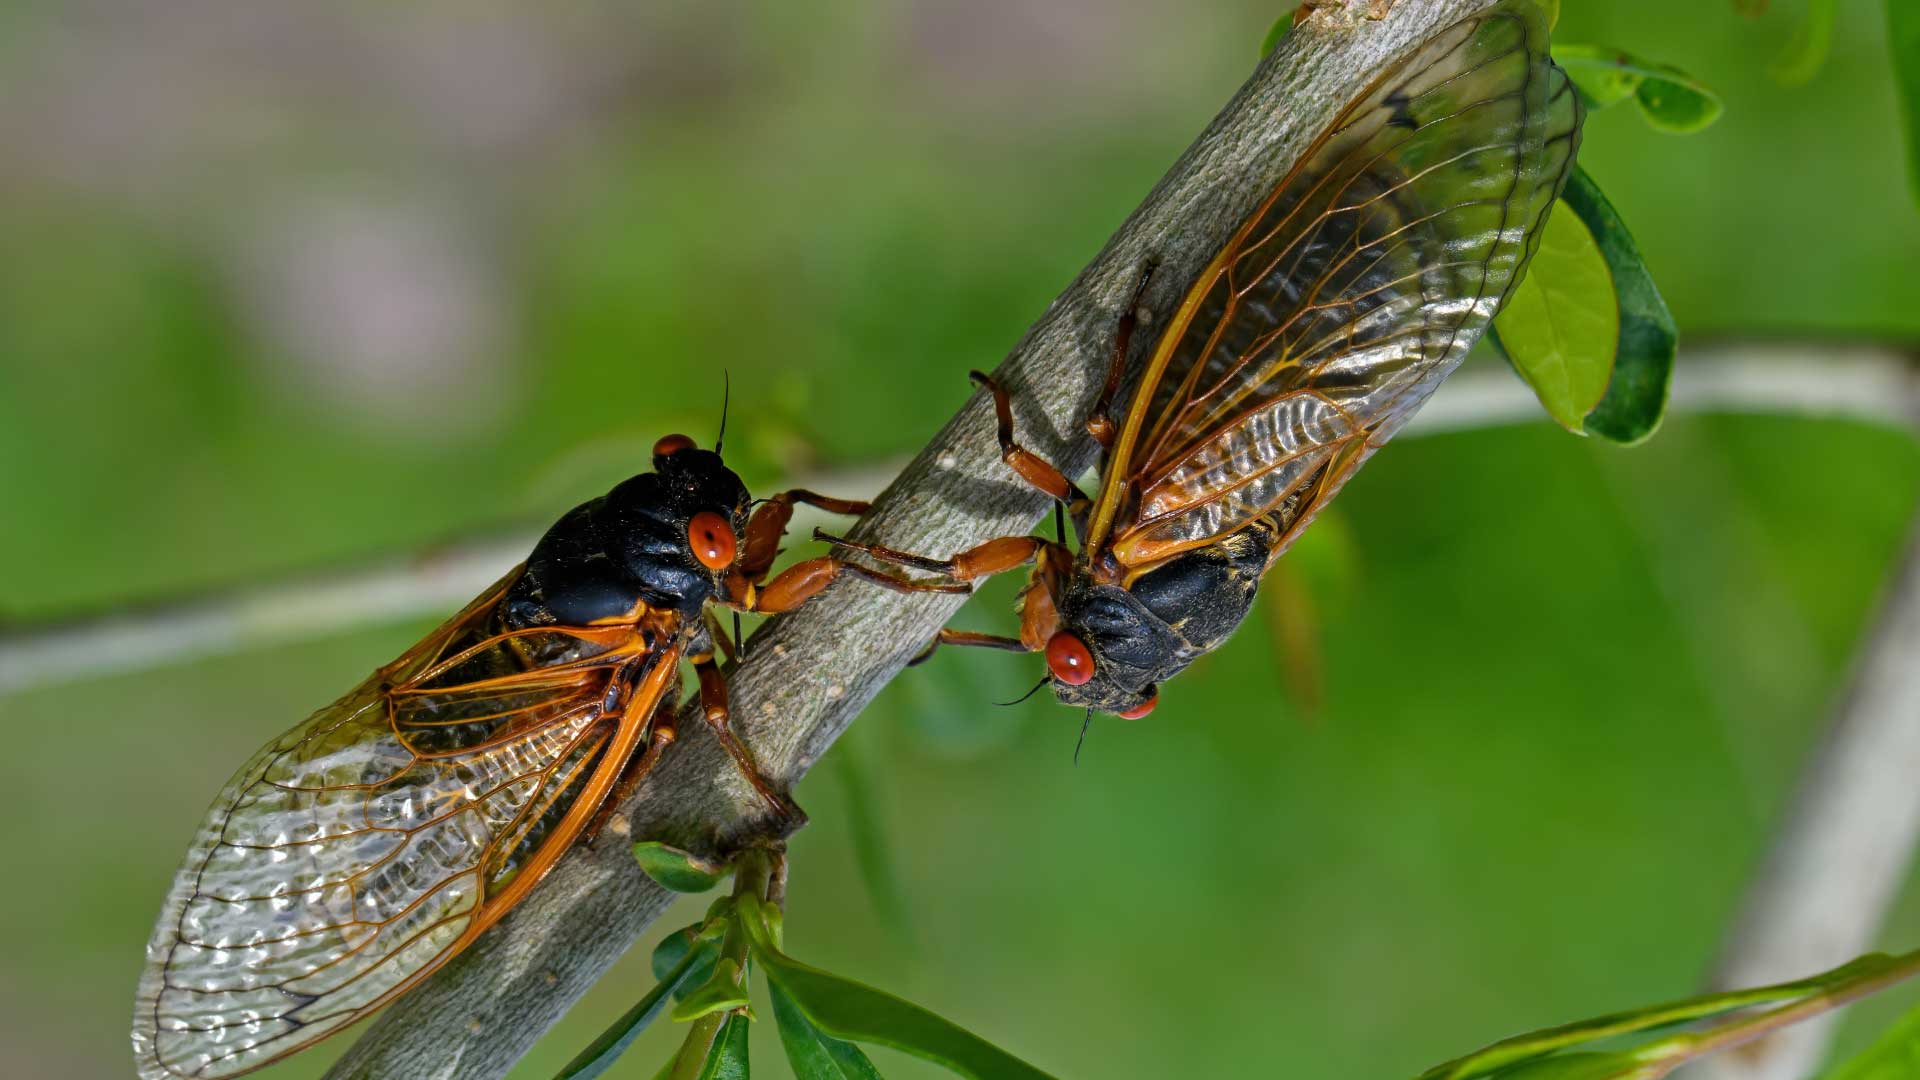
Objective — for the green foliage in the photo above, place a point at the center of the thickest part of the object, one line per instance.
(1895, 1055)
(691, 956)
(678, 870)
(854, 1011)
(1581, 1066)
(1669, 98)
(1807, 52)
(729, 1059)
(1540, 1055)
(819, 1014)
(1636, 398)
(1903, 37)
(814, 1054)
(1561, 323)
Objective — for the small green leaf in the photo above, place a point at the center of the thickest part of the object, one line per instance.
(1636, 397)
(1807, 52)
(675, 946)
(1677, 103)
(1561, 324)
(1577, 1067)
(1895, 1055)
(1903, 36)
(613, 1042)
(726, 989)
(858, 1013)
(728, 1058)
(675, 869)
(1602, 76)
(1278, 31)
(814, 1054)
(1670, 99)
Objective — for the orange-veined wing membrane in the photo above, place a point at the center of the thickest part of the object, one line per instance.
(1349, 294)
(362, 849)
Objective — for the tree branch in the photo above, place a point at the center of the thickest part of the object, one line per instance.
(811, 672)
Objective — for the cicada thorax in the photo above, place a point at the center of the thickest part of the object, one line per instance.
(631, 550)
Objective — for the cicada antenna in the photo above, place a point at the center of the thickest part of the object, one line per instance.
(1028, 694)
(1084, 725)
(726, 397)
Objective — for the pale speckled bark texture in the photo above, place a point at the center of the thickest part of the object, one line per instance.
(811, 672)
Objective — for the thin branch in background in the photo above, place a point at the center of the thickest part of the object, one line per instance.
(1843, 848)
(1863, 381)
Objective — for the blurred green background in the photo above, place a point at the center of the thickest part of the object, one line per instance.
(290, 285)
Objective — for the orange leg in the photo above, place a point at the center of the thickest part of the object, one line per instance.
(713, 705)
(967, 637)
(769, 523)
(992, 557)
(803, 581)
(1100, 423)
(1032, 468)
(661, 736)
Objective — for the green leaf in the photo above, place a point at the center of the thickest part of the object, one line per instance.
(667, 956)
(1561, 324)
(675, 869)
(1636, 398)
(1807, 52)
(815, 1055)
(613, 1042)
(1552, 8)
(1278, 31)
(1677, 103)
(1895, 1055)
(1488, 1061)
(726, 989)
(857, 1012)
(1578, 1067)
(1670, 99)
(728, 1058)
(1903, 36)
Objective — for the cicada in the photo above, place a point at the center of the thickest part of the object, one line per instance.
(364, 848)
(1310, 338)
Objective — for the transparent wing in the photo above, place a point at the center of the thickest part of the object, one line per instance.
(363, 848)
(1351, 293)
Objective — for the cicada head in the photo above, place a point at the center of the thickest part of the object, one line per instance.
(1110, 653)
(683, 525)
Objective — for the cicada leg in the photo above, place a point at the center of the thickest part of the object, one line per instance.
(803, 581)
(664, 729)
(1034, 469)
(993, 557)
(949, 636)
(713, 705)
(769, 524)
(1100, 423)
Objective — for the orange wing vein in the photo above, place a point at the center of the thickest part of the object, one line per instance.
(1348, 295)
(362, 849)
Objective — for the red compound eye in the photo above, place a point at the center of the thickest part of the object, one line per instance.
(671, 444)
(1069, 659)
(711, 538)
(1143, 708)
